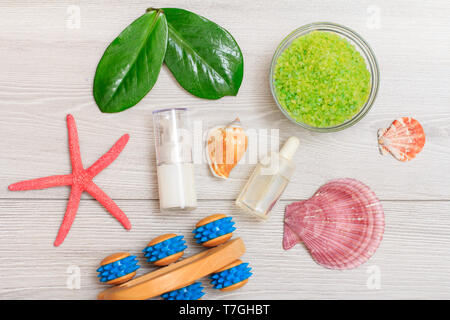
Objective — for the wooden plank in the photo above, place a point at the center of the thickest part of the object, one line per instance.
(413, 259)
(48, 69)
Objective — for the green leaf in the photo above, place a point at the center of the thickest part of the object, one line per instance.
(203, 57)
(131, 64)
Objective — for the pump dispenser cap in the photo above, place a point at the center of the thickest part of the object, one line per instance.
(289, 148)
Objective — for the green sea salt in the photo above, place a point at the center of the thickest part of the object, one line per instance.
(321, 79)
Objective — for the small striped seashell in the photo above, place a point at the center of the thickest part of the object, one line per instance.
(404, 139)
(342, 224)
(225, 147)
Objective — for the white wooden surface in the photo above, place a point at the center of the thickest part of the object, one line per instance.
(46, 71)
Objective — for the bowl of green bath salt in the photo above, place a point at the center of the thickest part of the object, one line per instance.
(324, 77)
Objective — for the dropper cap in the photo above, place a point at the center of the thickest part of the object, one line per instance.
(289, 148)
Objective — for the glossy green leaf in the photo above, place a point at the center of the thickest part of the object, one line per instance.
(203, 57)
(131, 64)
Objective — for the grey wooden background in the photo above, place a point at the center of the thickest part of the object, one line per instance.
(47, 62)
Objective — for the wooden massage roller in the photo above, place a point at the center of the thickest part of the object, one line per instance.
(178, 280)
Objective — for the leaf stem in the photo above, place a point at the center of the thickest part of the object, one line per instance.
(154, 9)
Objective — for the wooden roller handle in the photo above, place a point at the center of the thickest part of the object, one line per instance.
(177, 275)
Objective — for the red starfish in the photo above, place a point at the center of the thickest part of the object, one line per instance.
(80, 180)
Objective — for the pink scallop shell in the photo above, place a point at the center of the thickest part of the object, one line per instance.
(342, 224)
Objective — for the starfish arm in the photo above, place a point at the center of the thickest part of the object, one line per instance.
(42, 183)
(109, 156)
(74, 145)
(69, 216)
(109, 204)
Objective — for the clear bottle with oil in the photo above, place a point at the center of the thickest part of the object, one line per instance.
(268, 181)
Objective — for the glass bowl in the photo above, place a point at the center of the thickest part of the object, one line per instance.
(359, 43)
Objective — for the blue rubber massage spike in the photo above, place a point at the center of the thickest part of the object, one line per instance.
(190, 292)
(231, 277)
(118, 268)
(214, 230)
(165, 249)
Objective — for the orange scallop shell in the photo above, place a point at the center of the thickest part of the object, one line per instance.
(404, 139)
(225, 147)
